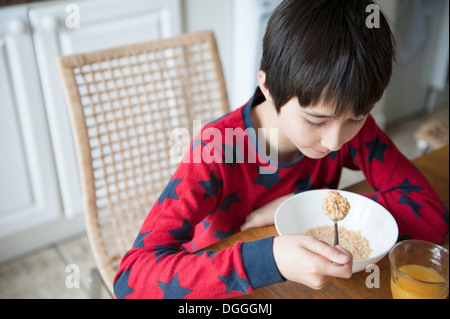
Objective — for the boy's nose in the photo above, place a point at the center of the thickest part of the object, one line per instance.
(333, 140)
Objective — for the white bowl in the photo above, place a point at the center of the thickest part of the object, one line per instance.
(304, 211)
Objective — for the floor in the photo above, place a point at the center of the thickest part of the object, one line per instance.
(47, 273)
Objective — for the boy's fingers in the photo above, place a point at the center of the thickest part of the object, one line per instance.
(340, 259)
(335, 254)
(343, 257)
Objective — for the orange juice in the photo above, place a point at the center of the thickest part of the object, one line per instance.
(426, 284)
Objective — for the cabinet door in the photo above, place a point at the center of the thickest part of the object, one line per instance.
(102, 24)
(28, 184)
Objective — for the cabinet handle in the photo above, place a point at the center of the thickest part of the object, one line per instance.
(17, 26)
(49, 23)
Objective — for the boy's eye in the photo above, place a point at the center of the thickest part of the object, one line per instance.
(316, 124)
(358, 121)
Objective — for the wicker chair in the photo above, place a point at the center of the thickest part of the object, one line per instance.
(124, 103)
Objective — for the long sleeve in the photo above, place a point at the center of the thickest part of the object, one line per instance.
(399, 186)
(163, 262)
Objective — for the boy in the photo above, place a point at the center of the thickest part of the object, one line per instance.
(321, 73)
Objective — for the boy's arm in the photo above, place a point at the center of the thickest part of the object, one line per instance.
(399, 186)
(158, 266)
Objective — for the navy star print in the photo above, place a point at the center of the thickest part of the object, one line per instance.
(235, 283)
(161, 250)
(407, 187)
(196, 143)
(139, 241)
(182, 233)
(267, 179)
(209, 253)
(228, 200)
(212, 186)
(223, 234)
(169, 191)
(173, 290)
(376, 149)
(237, 156)
(121, 288)
(353, 152)
(333, 155)
(408, 201)
(304, 185)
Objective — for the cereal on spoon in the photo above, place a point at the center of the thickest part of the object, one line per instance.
(337, 207)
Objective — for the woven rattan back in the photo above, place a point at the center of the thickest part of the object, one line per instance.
(124, 103)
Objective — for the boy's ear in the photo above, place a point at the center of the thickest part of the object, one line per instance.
(262, 85)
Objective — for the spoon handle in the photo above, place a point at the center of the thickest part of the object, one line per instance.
(336, 234)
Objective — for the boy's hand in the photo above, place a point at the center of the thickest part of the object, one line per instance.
(309, 261)
(264, 215)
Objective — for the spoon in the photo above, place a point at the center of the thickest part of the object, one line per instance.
(336, 207)
(336, 233)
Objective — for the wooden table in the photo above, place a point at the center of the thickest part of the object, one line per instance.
(434, 165)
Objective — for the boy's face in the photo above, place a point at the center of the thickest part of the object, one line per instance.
(314, 130)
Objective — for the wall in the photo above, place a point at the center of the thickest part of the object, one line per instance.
(213, 15)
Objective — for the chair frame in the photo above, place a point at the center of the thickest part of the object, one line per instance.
(107, 264)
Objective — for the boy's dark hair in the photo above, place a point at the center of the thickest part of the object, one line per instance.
(322, 51)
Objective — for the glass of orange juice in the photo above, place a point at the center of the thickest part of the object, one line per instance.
(419, 270)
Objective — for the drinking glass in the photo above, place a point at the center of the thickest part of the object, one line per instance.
(419, 270)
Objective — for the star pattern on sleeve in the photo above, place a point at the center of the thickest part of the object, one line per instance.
(236, 158)
(161, 250)
(211, 186)
(169, 191)
(173, 289)
(196, 142)
(267, 178)
(235, 283)
(182, 233)
(139, 241)
(407, 187)
(121, 287)
(229, 200)
(223, 234)
(209, 253)
(376, 149)
(404, 199)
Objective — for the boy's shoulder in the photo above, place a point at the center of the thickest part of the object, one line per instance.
(239, 118)
(231, 120)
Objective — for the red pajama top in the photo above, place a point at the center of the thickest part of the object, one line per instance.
(224, 176)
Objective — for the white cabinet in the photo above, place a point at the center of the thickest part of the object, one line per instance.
(105, 23)
(39, 180)
(28, 182)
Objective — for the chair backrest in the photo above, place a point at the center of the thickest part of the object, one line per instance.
(124, 103)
